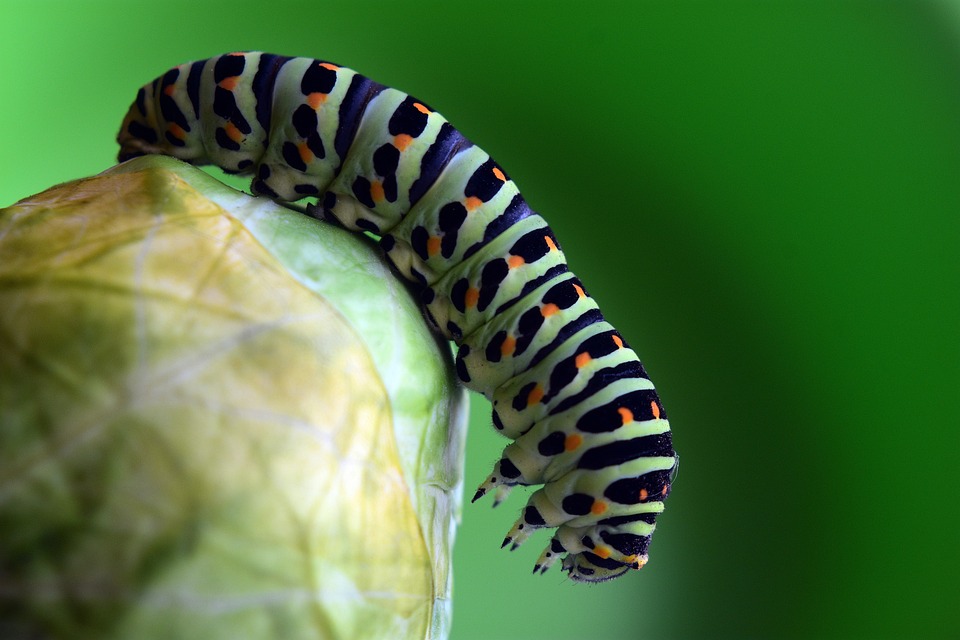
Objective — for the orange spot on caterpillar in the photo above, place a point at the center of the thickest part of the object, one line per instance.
(421, 108)
(580, 291)
(305, 154)
(535, 396)
(516, 261)
(402, 141)
(170, 89)
(232, 132)
(625, 414)
(655, 409)
(582, 360)
(176, 131)
(599, 506)
(509, 344)
(550, 243)
(549, 309)
(472, 203)
(665, 489)
(433, 244)
(603, 552)
(327, 65)
(643, 495)
(617, 341)
(316, 99)
(376, 192)
(572, 442)
(499, 174)
(471, 297)
(229, 83)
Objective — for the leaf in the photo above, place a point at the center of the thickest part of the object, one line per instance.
(219, 418)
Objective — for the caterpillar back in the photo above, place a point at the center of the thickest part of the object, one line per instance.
(585, 420)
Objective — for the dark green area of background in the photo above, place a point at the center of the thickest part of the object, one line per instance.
(764, 198)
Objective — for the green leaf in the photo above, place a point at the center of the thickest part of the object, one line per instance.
(219, 418)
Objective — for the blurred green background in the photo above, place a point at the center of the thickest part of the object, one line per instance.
(764, 198)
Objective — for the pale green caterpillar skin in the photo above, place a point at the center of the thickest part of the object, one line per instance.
(586, 421)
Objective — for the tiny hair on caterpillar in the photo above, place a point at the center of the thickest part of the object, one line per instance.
(584, 418)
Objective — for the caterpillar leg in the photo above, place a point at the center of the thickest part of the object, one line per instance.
(519, 533)
(501, 491)
(323, 209)
(538, 514)
(501, 480)
(549, 556)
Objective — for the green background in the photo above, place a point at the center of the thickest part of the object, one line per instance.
(763, 196)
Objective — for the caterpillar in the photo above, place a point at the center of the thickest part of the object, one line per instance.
(566, 388)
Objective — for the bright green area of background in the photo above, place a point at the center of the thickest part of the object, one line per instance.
(764, 198)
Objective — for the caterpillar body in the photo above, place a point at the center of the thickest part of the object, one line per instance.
(585, 420)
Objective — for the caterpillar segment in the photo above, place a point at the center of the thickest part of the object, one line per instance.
(585, 420)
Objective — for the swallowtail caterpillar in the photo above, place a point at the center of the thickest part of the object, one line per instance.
(585, 420)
